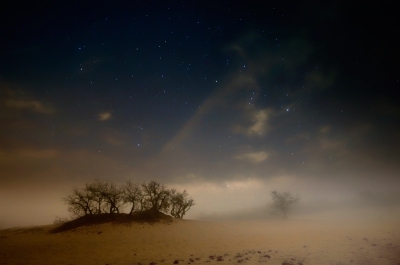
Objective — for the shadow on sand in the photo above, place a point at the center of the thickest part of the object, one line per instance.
(115, 218)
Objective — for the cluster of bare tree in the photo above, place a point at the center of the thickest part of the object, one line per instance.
(106, 197)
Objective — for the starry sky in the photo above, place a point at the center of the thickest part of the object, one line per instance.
(227, 99)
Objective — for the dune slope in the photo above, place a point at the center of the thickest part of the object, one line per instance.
(296, 241)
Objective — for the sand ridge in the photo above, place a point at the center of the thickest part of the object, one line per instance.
(297, 242)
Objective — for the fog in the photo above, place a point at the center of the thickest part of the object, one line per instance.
(357, 206)
(237, 200)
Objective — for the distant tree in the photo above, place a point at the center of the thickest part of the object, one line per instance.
(113, 197)
(132, 193)
(180, 203)
(95, 198)
(144, 203)
(106, 197)
(97, 189)
(283, 201)
(156, 196)
(80, 202)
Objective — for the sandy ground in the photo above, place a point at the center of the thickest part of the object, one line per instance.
(294, 241)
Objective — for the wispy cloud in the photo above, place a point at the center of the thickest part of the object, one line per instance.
(255, 157)
(104, 116)
(325, 129)
(259, 123)
(31, 105)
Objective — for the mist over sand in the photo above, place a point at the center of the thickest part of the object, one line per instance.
(352, 235)
(241, 200)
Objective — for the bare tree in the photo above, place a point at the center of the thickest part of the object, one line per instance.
(156, 196)
(112, 196)
(132, 193)
(283, 201)
(80, 202)
(97, 188)
(180, 203)
(106, 197)
(95, 198)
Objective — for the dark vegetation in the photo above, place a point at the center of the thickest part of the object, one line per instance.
(283, 201)
(147, 216)
(103, 202)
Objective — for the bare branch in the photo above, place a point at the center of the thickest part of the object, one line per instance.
(132, 193)
(180, 203)
(156, 196)
(283, 201)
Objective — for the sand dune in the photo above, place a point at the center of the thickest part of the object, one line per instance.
(293, 241)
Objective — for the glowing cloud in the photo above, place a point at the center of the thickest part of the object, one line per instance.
(258, 127)
(255, 157)
(325, 129)
(31, 105)
(105, 116)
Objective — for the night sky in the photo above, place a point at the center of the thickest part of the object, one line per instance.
(227, 99)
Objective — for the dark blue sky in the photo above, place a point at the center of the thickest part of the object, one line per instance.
(190, 93)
